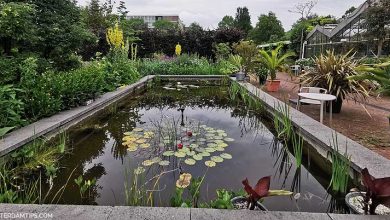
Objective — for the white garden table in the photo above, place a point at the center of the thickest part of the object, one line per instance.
(319, 97)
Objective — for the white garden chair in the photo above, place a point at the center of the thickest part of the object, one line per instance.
(310, 90)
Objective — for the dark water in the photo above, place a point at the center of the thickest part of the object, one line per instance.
(98, 152)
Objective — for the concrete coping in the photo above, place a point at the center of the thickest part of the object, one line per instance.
(83, 212)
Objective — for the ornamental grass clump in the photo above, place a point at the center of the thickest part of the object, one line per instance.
(333, 72)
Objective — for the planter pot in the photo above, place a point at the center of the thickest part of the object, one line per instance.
(241, 203)
(273, 85)
(353, 199)
(336, 105)
(240, 76)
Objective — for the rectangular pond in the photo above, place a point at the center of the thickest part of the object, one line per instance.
(137, 148)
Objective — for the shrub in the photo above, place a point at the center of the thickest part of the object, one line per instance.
(8, 70)
(11, 108)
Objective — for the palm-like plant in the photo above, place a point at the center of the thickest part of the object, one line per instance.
(274, 60)
(335, 73)
(379, 73)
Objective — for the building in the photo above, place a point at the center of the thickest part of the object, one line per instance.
(346, 35)
(150, 19)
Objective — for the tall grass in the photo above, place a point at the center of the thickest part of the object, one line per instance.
(282, 122)
(340, 167)
(297, 144)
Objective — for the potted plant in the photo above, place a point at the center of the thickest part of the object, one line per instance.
(254, 195)
(334, 73)
(375, 200)
(262, 74)
(237, 60)
(273, 61)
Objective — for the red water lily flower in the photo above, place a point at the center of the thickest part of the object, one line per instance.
(378, 191)
(261, 190)
(180, 145)
(189, 133)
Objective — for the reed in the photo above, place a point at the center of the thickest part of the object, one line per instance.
(297, 144)
(340, 167)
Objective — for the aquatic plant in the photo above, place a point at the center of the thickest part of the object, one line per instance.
(223, 200)
(377, 192)
(261, 190)
(297, 144)
(282, 122)
(85, 185)
(340, 167)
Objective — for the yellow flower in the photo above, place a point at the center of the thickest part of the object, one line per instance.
(115, 37)
(178, 49)
(184, 180)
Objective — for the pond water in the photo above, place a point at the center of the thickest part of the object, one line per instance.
(133, 136)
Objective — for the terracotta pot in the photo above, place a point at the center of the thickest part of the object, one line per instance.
(273, 85)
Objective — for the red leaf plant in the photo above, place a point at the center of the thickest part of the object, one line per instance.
(377, 190)
(260, 191)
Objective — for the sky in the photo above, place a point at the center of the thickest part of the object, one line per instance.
(209, 12)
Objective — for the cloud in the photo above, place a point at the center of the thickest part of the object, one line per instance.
(209, 12)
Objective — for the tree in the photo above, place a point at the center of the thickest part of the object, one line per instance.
(267, 29)
(122, 10)
(378, 22)
(16, 24)
(349, 11)
(227, 22)
(94, 17)
(164, 25)
(243, 19)
(304, 10)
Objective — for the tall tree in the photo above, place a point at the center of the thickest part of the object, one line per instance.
(349, 11)
(95, 18)
(164, 25)
(122, 10)
(226, 22)
(267, 29)
(243, 19)
(378, 22)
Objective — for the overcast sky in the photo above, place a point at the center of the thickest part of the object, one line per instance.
(209, 12)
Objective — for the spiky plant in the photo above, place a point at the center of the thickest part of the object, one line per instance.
(274, 60)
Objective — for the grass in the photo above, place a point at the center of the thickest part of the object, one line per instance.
(340, 168)
(297, 143)
(282, 123)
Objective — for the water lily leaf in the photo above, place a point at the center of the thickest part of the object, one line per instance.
(147, 163)
(180, 154)
(210, 150)
(197, 157)
(191, 153)
(220, 131)
(129, 133)
(132, 149)
(200, 149)
(226, 156)
(205, 154)
(164, 163)
(156, 160)
(229, 139)
(217, 159)
(184, 180)
(223, 145)
(140, 141)
(194, 145)
(168, 153)
(210, 163)
(222, 134)
(202, 140)
(218, 141)
(219, 149)
(209, 135)
(218, 138)
(139, 170)
(132, 145)
(211, 145)
(145, 145)
(138, 129)
(190, 161)
(128, 139)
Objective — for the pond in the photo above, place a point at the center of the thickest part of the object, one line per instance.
(137, 148)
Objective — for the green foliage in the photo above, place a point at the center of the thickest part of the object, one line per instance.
(333, 72)
(164, 25)
(379, 73)
(16, 24)
(305, 62)
(243, 20)
(297, 143)
(84, 186)
(221, 50)
(223, 200)
(226, 22)
(248, 51)
(268, 29)
(378, 22)
(8, 70)
(11, 108)
(274, 60)
(282, 123)
(340, 168)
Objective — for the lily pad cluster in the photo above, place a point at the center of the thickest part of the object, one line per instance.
(179, 86)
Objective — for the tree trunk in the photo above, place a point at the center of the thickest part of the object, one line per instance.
(380, 46)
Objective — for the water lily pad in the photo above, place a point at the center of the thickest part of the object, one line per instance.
(190, 161)
(184, 180)
(139, 170)
(147, 163)
(210, 163)
(217, 159)
(229, 139)
(202, 139)
(140, 141)
(222, 134)
(223, 145)
(205, 154)
(210, 150)
(138, 129)
(200, 149)
(145, 145)
(211, 145)
(164, 163)
(156, 159)
(197, 157)
(209, 135)
(219, 149)
(194, 145)
(191, 153)
(218, 138)
(132, 149)
(129, 133)
(180, 154)
(220, 131)
(218, 141)
(226, 156)
(168, 153)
